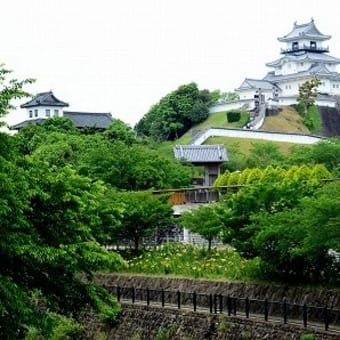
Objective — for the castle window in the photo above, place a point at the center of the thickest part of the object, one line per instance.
(56, 113)
(313, 45)
(30, 113)
(48, 112)
(301, 64)
(295, 45)
(36, 112)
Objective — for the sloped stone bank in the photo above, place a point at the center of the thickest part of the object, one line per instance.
(143, 322)
(298, 295)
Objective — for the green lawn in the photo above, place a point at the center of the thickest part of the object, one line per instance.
(218, 119)
(244, 145)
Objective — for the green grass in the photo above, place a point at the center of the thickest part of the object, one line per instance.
(194, 262)
(313, 120)
(215, 119)
(245, 146)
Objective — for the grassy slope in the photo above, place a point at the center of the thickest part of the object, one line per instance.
(287, 120)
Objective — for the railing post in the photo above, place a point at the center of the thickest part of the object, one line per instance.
(162, 297)
(194, 300)
(178, 299)
(284, 311)
(133, 294)
(215, 303)
(118, 293)
(220, 298)
(229, 305)
(325, 318)
(234, 305)
(148, 296)
(265, 309)
(304, 315)
(210, 303)
(247, 307)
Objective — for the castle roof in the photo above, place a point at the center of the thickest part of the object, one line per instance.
(308, 31)
(99, 120)
(263, 84)
(304, 56)
(79, 119)
(44, 99)
(201, 153)
(317, 69)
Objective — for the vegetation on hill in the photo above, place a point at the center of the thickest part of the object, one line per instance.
(287, 120)
(176, 113)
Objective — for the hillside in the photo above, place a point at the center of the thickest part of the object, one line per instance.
(287, 120)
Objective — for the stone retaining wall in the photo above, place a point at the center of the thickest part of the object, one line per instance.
(143, 322)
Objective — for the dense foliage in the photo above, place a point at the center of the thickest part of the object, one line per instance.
(176, 113)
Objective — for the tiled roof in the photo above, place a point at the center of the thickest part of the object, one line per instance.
(201, 153)
(315, 70)
(23, 124)
(308, 30)
(301, 56)
(79, 119)
(99, 120)
(263, 84)
(44, 99)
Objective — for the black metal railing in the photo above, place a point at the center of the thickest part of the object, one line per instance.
(233, 306)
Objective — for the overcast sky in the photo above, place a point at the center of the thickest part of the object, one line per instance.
(123, 56)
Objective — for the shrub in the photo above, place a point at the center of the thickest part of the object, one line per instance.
(233, 116)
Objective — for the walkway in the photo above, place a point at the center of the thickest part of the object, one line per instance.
(283, 137)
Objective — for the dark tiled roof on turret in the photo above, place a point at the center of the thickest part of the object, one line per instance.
(44, 99)
(201, 153)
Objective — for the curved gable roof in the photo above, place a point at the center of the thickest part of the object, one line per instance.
(44, 99)
(308, 30)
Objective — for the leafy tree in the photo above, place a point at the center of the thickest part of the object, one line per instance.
(48, 216)
(308, 93)
(294, 245)
(10, 89)
(176, 113)
(270, 190)
(143, 215)
(205, 221)
(119, 131)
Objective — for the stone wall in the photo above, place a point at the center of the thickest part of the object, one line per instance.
(298, 295)
(138, 322)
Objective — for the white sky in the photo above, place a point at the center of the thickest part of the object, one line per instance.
(123, 56)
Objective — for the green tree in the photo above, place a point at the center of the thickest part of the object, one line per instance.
(176, 113)
(144, 214)
(118, 130)
(294, 244)
(308, 93)
(205, 221)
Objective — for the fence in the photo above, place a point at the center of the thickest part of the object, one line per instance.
(231, 305)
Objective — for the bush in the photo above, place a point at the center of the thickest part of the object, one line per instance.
(233, 116)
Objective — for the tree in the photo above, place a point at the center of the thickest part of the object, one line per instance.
(10, 89)
(205, 221)
(118, 130)
(294, 245)
(308, 93)
(143, 215)
(176, 113)
(47, 218)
